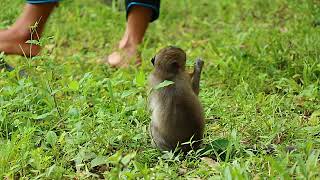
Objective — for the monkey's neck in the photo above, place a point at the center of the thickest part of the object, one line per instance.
(166, 75)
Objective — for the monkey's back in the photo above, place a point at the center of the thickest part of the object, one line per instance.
(177, 116)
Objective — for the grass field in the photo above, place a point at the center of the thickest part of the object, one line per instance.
(74, 118)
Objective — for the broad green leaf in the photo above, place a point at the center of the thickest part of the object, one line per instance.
(51, 138)
(74, 85)
(127, 93)
(140, 79)
(126, 159)
(86, 77)
(115, 158)
(73, 112)
(42, 116)
(163, 84)
(314, 118)
(220, 144)
(50, 169)
(99, 160)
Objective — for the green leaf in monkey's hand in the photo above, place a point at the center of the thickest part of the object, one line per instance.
(163, 84)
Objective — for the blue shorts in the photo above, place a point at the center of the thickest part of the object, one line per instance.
(152, 4)
(41, 1)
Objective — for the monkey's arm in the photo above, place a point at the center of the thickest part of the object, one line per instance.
(195, 80)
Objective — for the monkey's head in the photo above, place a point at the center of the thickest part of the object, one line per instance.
(170, 60)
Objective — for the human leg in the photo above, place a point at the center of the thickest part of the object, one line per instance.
(139, 14)
(29, 25)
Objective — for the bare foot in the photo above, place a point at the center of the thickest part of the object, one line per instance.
(12, 42)
(33, 18)
(127, 52)
(122, 58)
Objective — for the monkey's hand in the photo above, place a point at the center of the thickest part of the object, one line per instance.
(198, 65)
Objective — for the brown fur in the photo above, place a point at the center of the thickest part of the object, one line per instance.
(177, 115)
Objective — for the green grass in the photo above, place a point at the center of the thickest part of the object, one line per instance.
(74, 118)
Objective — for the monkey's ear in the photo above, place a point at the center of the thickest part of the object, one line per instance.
(152, 60)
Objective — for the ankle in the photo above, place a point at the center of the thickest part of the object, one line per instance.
(128, 44)
(22, 34)
(129, 40)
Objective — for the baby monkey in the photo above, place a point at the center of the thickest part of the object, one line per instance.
(177, 115)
